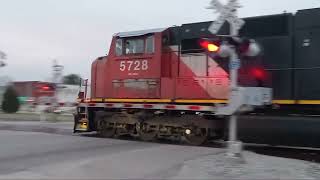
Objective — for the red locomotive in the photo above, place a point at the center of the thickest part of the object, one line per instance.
(148, 86)
(165, 82)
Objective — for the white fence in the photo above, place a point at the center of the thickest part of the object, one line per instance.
(67, 95)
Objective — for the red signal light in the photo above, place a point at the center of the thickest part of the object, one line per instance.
(259, 73)
(204, 44)
(211, 47)
(45, 88)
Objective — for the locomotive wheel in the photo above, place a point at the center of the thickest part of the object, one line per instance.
(196, 136)
(106, 131)
(147, 133)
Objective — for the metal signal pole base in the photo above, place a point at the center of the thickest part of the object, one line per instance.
(234, 147)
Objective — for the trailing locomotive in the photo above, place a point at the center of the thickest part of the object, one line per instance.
(162, 82)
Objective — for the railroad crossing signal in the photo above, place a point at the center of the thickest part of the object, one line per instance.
(228, 13)
(232, 50)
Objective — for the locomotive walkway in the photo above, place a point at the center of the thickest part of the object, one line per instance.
(58, 154)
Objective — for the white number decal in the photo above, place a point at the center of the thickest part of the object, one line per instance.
(130, 65)
(122, 66)
(137, 65)
(134, 65)
(145, 65)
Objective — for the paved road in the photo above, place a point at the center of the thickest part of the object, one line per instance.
(27, 153)
(39, 155)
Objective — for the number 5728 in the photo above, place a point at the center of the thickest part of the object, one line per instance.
(134, 65)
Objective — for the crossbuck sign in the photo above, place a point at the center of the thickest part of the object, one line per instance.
(228, 13)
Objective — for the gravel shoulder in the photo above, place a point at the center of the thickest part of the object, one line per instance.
(252, 166)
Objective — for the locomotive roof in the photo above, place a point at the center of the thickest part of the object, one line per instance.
(139, 33)
(255, 27)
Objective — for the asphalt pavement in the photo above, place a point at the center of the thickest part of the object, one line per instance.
(39, 155)
(29, 153)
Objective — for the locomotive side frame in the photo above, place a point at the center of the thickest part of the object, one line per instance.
(150, 121)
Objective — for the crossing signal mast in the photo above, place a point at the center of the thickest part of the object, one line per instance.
(232, 47)
(57, 76)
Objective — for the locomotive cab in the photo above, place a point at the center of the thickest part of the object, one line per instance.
(132, 68)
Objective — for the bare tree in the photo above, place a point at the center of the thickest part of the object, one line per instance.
(71, 79)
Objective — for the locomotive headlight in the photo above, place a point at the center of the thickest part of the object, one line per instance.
(188, 131)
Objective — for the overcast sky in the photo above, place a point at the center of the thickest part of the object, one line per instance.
(75, 32)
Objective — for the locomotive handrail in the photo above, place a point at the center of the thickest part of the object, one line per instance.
(203, 51)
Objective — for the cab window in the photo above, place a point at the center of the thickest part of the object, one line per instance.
(150, 44)
(135, 46)
(119, 50)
